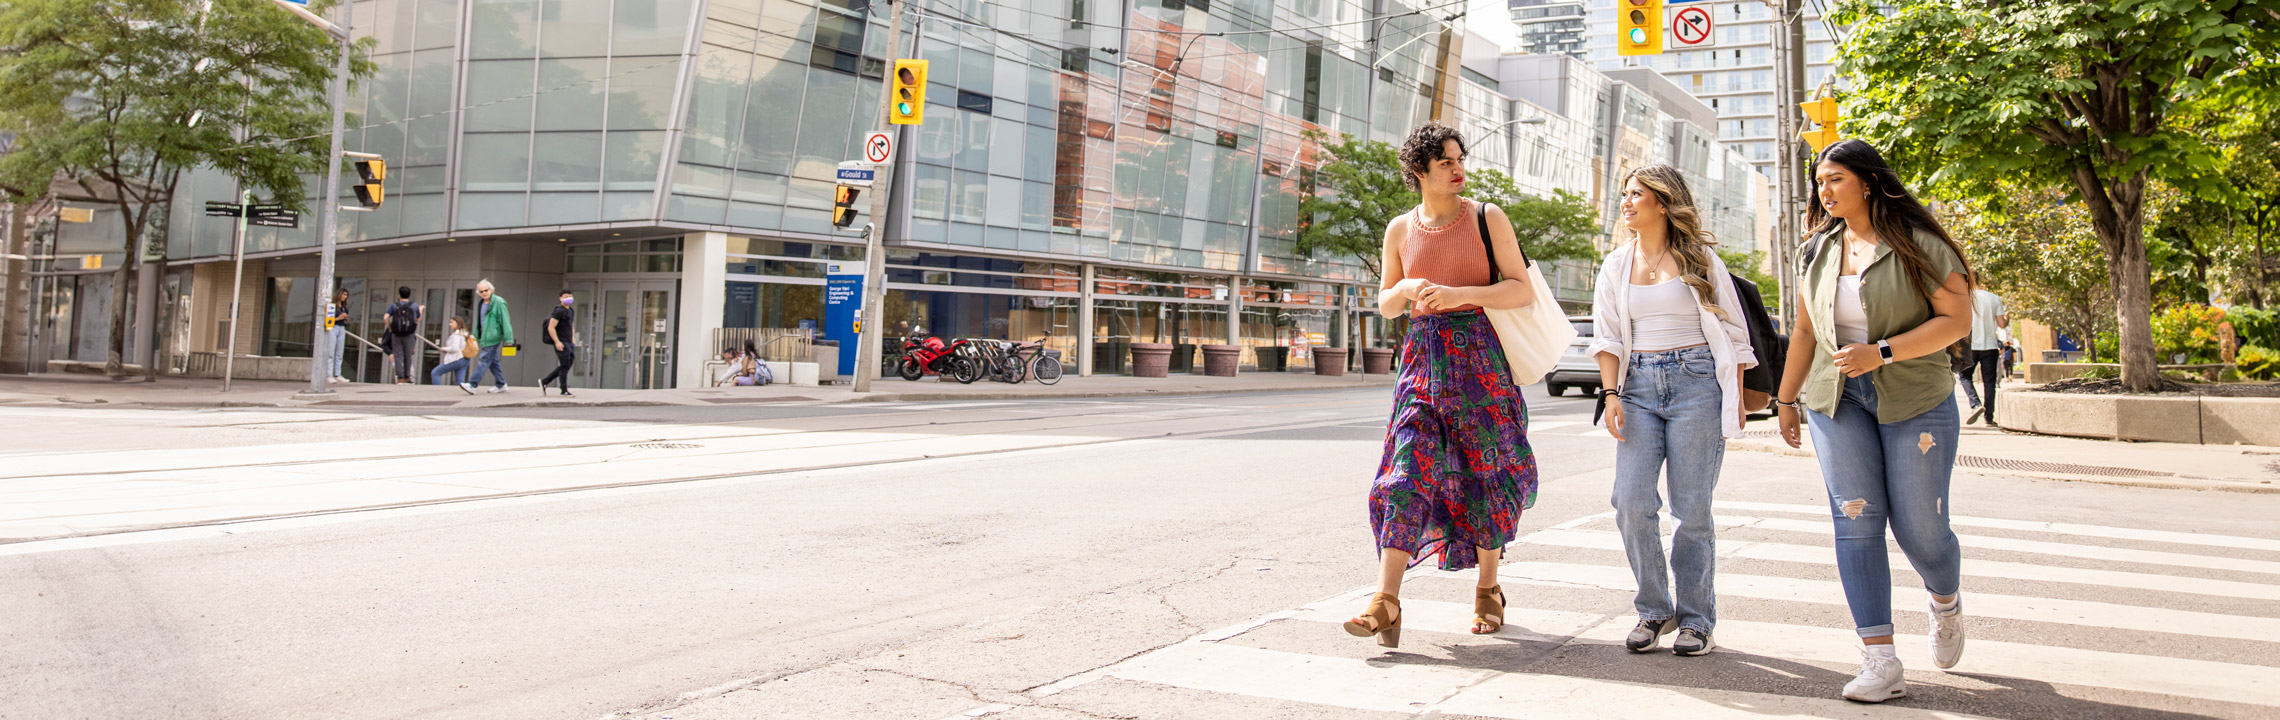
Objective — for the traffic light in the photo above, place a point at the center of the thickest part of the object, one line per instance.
(1638, 27)
(372, 171)
(908, 104)
(843, 206)
(1822, 112)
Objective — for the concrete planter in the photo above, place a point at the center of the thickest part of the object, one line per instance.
(1151, 360)
(1377, 361)
(1221, 360)
(2154, 418)
(1330, 361)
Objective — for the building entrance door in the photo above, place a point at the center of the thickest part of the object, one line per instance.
(626, 334)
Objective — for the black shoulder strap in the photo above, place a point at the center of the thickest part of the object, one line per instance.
(1480, 216)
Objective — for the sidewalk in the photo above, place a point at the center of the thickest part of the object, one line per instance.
(1992, 450)
(174, 392)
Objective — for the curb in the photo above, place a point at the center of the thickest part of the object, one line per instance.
(939, 397)
(2177, 482)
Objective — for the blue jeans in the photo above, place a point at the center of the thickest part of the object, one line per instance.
(1888, 474)
(456, 369)
(488, 360)
(338, 339)
(1671, 418)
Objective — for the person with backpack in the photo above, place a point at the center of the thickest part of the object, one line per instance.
(1668, 334)
(403, 341)
(493, 330)
(559, 334)
(456, 357)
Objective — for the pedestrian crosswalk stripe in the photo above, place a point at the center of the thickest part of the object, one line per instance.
(2086, 552)
(1819, 555)
(1362, 685)
(1829, 592)
(2099, 531)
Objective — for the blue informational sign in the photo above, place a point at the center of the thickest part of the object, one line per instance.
(843, 310)
(857, 176)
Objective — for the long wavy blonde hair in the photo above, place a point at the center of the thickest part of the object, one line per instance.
(1689, 243)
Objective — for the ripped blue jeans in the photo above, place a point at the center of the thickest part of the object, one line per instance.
(1893, 475)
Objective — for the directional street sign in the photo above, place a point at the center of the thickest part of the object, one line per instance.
(223, 209)
(278, 218)
(879, 147)
(857, 176)
(1691, 26)
(262, 210)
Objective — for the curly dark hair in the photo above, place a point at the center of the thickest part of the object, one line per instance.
(1423, 147)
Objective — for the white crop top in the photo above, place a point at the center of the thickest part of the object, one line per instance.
(1852, 319)
(1665, 316)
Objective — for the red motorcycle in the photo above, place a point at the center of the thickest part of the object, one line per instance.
(930, 356)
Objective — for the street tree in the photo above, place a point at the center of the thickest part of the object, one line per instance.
(1358, 190)
(124, 96)
(2039, 252)
(1968, 95)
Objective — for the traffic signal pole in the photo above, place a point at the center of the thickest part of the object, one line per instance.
(1798, 169)
(869, 342)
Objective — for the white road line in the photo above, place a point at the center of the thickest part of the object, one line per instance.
(2040, 547)
(1829, 592)
(2099, 531)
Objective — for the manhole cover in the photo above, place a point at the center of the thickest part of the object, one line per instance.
(667, 446)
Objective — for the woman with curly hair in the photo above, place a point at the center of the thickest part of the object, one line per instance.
(1457, 470)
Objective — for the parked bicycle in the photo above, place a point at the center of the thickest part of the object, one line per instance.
(1014, 362)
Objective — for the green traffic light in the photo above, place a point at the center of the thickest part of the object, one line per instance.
(902, 108)
(1638, 36)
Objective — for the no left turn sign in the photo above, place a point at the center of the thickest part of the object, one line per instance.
(878, 147)
(1691, 26)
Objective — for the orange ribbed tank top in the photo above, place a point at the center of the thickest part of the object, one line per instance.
(1450, 254)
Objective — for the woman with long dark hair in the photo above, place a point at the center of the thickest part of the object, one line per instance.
(1457, 470)
(1883, 290)
(1667, 334)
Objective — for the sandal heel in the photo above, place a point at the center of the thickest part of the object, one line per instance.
(1391, 637)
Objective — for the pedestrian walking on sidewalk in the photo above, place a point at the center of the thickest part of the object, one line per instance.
(560, 335)
(455, 357)
(1457, 470)
(1883, 292)
(1990, 321)
(1668, 335)
(403, 341)
(493, 329)
(336, 336)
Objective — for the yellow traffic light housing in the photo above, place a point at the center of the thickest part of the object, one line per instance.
(1638, 27)
(1822, 112)
(906, 103)
(372, 171)
(843, 206)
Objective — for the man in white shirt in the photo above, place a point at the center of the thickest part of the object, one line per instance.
(1990, 321)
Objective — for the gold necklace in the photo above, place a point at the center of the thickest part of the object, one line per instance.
(1654, 267)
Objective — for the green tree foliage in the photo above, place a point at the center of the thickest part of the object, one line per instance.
(1969, 95)
(2041, 255)
(104, 91)
(1358, 190)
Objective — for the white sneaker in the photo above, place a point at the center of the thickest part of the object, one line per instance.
(496, 389)
(1880, 677)
(1947, 634)
(468, 388)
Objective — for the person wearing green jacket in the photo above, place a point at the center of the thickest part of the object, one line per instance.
(492, 329)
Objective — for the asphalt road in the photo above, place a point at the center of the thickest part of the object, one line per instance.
(1158, 558)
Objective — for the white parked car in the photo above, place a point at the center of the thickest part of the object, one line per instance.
(1575, 369)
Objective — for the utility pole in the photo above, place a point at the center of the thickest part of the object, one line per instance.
(869, 343)
(237, 288)
(320, 352)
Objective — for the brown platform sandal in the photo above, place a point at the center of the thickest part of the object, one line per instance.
(1488, 609)
(1387, 627)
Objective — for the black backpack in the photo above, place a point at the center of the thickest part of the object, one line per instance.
(404, 319)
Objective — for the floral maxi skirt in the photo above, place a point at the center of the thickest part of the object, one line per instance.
(1457, 470)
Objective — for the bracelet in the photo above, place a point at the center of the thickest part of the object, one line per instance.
(1793, 404)
(1601, 408)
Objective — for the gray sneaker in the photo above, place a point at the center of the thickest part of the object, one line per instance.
(1648, 635)
(1692, 642)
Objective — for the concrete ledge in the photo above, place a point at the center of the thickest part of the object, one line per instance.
(2157, 418)
(2040, 373)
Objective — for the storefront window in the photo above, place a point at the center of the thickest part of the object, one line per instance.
(285, 329)
(774, 305)
(950, 315)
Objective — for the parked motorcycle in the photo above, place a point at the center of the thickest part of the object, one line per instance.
(923, 356)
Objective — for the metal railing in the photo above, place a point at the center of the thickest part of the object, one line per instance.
(774, 344)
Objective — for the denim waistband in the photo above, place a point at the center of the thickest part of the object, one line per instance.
(1672, 357)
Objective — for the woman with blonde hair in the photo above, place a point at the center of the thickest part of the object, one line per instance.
(1457, 470)
(1668, 335)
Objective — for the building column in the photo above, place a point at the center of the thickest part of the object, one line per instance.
(1085, 321)
(704, 303)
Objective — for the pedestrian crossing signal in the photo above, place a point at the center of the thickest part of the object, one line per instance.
(843, 206)
(1822, 112)
(372, 171)
(1639, 27)
(907, 102)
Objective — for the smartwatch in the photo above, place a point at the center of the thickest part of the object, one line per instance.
(1885, 349)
